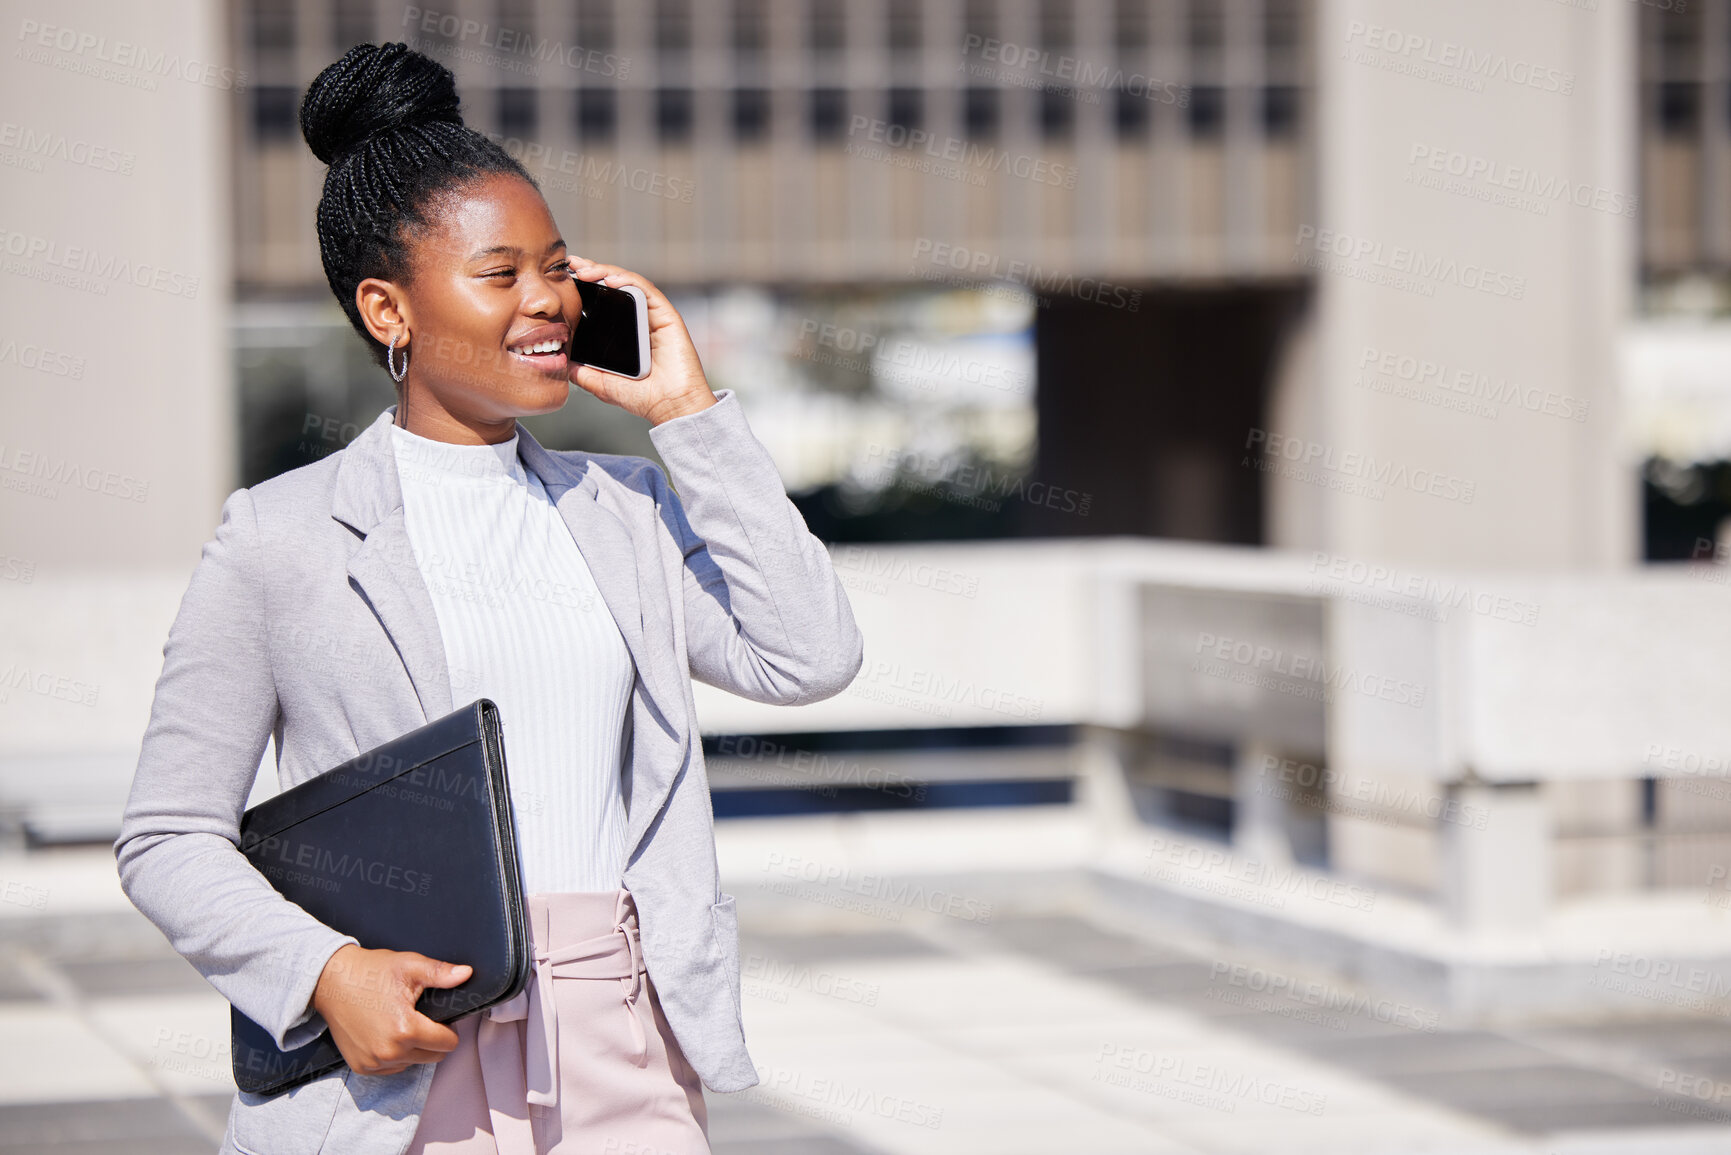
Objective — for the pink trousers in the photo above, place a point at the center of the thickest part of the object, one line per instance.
(583, 1061)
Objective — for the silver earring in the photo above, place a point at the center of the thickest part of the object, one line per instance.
(390, 359)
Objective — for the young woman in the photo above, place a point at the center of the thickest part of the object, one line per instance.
(444, 555)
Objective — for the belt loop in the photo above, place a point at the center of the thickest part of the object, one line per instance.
(626, 922)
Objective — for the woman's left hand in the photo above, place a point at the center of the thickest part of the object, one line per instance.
(675, 385)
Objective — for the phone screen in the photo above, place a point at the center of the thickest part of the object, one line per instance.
(607, 336)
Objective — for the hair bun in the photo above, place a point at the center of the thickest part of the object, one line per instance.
(375, 88)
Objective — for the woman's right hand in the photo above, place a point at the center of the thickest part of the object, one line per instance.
(367, 998)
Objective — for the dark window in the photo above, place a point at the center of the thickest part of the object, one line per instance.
(351, 24)
(517, 115)
(1207, 110)
(826, 29)
(673, 114)
(597, 113)
(275, 112)
(1131, 111)
(828, 113)
(1130, 25)
(595, 24)
(1678, 108)
(1056, 33)
(1279, 110)
(904, 26)
(750, 29)
(750, 113)
(515, 15)
(1282, 35)
(1057, 112)
(980, 22)
(980, 113)
(905, 107)
(273, 27)
(672, 27)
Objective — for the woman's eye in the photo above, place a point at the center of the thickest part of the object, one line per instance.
(562, 267)
(501, 273)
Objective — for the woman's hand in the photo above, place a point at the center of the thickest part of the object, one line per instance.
(367, 998)
(675, 385)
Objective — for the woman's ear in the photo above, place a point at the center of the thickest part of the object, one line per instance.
(384, 310)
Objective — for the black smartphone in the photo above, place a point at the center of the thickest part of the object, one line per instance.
(613, 333)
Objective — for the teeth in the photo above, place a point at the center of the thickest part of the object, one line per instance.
(538, 347)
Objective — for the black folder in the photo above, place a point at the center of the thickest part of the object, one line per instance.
(408, 846)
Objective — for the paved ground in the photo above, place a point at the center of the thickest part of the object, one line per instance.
(1047, 1034)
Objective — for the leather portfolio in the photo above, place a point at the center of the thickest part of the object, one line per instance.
(409, 846)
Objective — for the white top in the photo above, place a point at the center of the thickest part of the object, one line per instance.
(524, 624)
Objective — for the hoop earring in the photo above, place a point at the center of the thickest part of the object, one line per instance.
(390, 359)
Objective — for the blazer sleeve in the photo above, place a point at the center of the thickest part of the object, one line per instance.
(765, 615)
(178, 851)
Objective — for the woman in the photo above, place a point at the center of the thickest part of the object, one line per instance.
(444, 555)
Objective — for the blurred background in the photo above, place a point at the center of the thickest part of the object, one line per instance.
(1278, 452)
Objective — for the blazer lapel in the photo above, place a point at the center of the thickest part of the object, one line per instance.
(368, 498)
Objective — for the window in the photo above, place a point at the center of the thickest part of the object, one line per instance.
(672, 28)
(828, 113)
(275, 112)
(750, 113)
(273, 27)
(750, 30)
(904, 27)
(597, 114)
(1131, 112)
(673, 114)
(1130, 26)
(595, 25)
(1057, 34)
(1280, 111)
(1207, 110)
(351, 24)
(517, 112)
(905, 106)
(826, 28)
(980, 21)
(980, 113)
(1057, 112)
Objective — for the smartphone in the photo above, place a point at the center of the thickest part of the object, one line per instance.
(613, 332)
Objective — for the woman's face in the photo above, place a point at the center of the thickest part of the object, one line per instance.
(491, 285)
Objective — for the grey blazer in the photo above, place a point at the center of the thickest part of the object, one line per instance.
(306, 618)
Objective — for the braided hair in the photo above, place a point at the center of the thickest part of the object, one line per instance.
(385, 119)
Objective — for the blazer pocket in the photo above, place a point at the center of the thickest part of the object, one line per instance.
(292, 1122)
(725, 918)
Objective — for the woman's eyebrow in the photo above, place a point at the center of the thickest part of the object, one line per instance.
(511, 250)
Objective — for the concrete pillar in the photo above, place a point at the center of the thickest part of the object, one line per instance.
(1105, 758)
(1496, 861)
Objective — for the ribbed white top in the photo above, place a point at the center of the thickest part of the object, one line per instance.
(524, 624)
